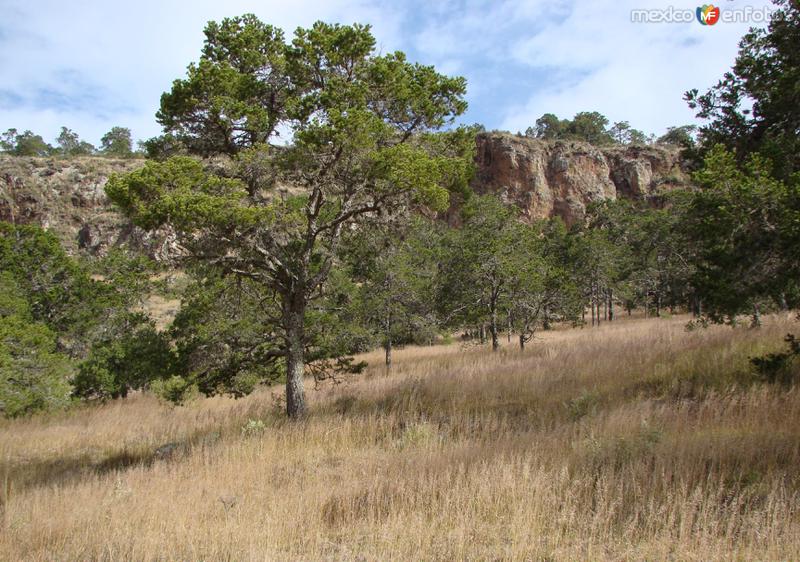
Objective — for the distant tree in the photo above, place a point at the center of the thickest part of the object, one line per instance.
(8, 140)
(542, 288)
(754, 108)
(548, 127)
(478, 267)
(24, 144)
(364, 137)
(162, 147)
(589, 126)
(117, 142)
(682, 136)
(70, 144)
(637, 137)
(620, 132)
(395, 268)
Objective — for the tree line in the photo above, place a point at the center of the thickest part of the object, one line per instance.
(303, 254)
(593, 127)
(115, 143)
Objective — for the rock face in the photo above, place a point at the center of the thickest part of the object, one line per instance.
(545, 178)
(67, 197)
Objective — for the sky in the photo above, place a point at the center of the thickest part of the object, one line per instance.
(91, 65)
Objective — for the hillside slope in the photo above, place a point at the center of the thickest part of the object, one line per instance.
(634, 441)
(66, 196)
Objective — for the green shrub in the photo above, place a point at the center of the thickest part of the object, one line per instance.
(175, 389)
(128, 362)
(33, 375)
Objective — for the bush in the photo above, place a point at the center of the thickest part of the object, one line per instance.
(130, 362)
(33, 375)
(175, 389)
(782, 368)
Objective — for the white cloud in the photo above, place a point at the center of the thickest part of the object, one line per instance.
(628, 71)
(90, 65)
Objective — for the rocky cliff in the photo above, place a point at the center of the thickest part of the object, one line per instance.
(66, 196)
(562, 178)
(543, 178)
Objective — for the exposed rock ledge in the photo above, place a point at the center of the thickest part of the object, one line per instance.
(561, 178)
(543, 178)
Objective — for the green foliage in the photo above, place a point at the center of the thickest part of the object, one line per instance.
(638, 253)
(236, 95)
(226, 335)
(59, 292)
(754, 106)
(253, 428)
(497, 269)
(136, 355)
(548, 127)
(33, 375)
(178, 191)
(682, 136)
(162, 147)
(117, 142)
(129, 275)
(364, 137)
(53, 304)
(395, 270)
(623, 133)
(13, 301)
(175, 390)
(70, 144)
(24, 144)
(587, 126)
(743, 224)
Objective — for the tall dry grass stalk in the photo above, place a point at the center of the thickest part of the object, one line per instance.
(638, 440)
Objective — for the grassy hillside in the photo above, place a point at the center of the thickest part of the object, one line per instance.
(637, 440)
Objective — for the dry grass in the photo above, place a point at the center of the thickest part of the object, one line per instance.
(636, 441)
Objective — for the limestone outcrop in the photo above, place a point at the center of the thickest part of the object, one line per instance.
(561, 178)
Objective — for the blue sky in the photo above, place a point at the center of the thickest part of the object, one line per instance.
(91, 65)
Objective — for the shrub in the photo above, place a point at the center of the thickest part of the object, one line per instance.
(33, 375)
(781, 368)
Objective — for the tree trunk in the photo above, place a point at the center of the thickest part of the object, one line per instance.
(610, 306)
(387, 342)
(756, 323)
(387, 347)
(294, 316)
(482, 333)
(493, 329)
(521, 342)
